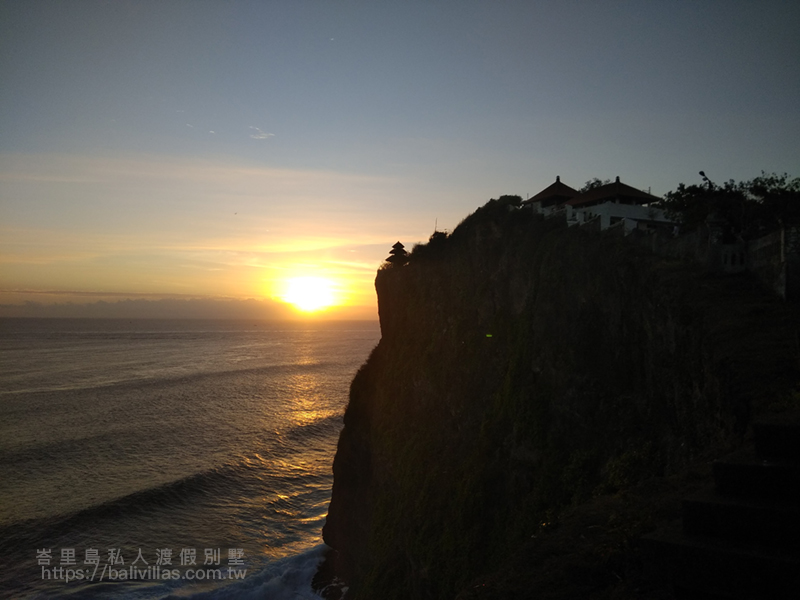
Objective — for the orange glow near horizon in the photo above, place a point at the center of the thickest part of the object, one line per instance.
(310, 294)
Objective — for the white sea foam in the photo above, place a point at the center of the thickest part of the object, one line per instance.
(285, 579)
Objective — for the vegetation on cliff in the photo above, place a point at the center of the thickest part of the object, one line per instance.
(749, 208)
(523, 369)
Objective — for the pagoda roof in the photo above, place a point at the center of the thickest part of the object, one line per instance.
(613, 191)
(554, 190)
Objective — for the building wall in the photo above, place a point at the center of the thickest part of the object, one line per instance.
(612, 212)
(774, 258)
(765, 260)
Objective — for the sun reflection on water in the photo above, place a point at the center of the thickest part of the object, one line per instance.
(307, 405)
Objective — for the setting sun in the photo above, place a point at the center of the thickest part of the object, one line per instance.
(309, 294)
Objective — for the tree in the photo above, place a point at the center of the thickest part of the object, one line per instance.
(748, 208)
(593, 183)
(778, 197)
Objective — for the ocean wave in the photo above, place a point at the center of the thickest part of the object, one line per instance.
(288, 482)
(319, 428)
(285, 579)
(142, 382)
(169, 494)
(288, 578)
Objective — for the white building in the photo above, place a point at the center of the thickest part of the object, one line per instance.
(551, 198)
(631, 216)
(615, 204)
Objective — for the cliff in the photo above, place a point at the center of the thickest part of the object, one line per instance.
(525, 368)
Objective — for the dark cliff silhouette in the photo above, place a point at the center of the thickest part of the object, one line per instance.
(525, 368)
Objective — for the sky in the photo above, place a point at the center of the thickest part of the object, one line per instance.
(205, 153)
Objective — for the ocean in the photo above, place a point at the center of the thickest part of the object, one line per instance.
(154, 459)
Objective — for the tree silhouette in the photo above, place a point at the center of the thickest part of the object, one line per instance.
(593, 183)
(749, 208)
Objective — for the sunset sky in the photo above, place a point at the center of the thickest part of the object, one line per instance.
(216, 150)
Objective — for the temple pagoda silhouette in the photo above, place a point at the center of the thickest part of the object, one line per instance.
(397, 255)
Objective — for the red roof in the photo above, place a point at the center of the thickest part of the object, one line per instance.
(554, 190)
(613, 192)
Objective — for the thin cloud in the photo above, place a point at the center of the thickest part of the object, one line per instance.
(187, 195)
(138, 307)
(260, 135)
(146, 295)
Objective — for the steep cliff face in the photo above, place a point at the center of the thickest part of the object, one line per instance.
(524, 367)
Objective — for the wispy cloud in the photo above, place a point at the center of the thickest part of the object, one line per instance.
(260, 135)
(159, 308)
(148, 295)
(161, 225)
